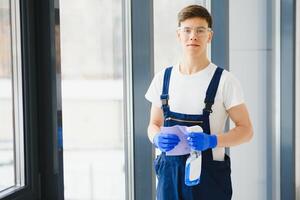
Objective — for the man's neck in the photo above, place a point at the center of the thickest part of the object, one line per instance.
(190, 65)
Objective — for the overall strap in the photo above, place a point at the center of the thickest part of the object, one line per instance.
(164, 97)
(212, 90)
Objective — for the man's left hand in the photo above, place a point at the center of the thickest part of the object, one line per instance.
(200, 141)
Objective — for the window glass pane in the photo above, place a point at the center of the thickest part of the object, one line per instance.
(92, 99)
(6, 99)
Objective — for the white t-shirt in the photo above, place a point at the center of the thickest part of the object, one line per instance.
(187, 95)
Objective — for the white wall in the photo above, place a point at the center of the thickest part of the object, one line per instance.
(248, 61)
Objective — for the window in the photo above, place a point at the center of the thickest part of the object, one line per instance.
(11, 108)
(92, 99)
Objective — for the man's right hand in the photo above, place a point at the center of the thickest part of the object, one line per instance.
(165, 141)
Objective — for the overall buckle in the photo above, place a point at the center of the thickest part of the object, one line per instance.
(208, 106)
(164, 99)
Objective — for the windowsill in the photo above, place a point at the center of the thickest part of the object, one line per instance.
(9, 191)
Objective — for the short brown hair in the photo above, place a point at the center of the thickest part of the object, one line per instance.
(194, 11)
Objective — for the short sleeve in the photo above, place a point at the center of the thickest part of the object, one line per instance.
(232, 92)
(154, 91)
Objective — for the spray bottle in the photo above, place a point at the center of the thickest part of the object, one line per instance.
(193, 163)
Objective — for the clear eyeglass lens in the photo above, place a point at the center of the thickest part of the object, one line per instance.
(199, 31)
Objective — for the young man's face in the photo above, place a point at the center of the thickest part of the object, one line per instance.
(194, 35)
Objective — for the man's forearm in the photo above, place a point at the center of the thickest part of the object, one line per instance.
(152, 131)
(235, 136)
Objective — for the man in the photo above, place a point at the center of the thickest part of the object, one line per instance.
(196, 92)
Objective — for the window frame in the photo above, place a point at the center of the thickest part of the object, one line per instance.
(287, 99)
(43, 158)
(24, 146)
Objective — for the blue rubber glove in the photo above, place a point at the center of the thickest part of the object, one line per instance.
(165, 141)
(201, 141)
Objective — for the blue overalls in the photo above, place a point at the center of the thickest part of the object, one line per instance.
(215, 181)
